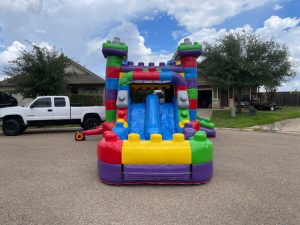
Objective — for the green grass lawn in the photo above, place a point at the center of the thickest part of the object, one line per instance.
(222, 118)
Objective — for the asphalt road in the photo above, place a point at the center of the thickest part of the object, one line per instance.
(48, 178)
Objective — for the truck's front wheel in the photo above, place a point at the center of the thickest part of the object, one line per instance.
(11, 127)
(91, 123)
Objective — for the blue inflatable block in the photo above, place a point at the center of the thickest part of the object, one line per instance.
(127, 88)
(193, 114)
(190, 72)
(112, 83)
(166, 75)
(121, 131)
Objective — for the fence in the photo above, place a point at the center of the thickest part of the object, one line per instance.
(288, 98)
(285, 98)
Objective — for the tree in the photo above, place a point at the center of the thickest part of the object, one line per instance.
(243, 59)
(39, 71)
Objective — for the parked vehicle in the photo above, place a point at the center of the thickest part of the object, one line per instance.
(245, 103)
(49, 110)
(7, 100)
(263, 106)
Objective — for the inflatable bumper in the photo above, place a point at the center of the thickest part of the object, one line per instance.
(159, 174)
(136, 161)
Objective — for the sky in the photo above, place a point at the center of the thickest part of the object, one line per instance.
(152, 29)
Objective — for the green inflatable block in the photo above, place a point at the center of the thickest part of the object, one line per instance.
(183, 114)
(125, 79)
(202, 148)
(193, 93)
(184, 46)
(121, 46)
(207, 123)
(110, 115)
(114, 61)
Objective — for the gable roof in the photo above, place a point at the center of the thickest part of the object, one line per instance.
(87, 77)
(5, 83)
(84, 79)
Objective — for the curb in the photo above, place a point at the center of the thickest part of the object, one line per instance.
(258, 130)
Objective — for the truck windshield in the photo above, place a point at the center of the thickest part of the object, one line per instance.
(26, 105)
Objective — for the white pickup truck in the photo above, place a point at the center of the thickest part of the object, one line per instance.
(49, 110)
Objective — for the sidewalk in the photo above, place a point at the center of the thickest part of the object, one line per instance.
(284, 126)
(206, 113)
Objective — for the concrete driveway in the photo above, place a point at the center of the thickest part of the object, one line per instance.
(48, 178)
(284, 126)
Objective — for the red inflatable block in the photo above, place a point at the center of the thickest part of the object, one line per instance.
(193, 103)
(110, 104)
(97, 130)
(110, 148)
(112, 72)
(138, 69)
(181, 88)
(145, 75)
(122, 114)
(188, 61)
(108, 126)
(152, 69)
(195, 124)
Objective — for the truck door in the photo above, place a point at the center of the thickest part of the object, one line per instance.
(61, 109)
(41, 110)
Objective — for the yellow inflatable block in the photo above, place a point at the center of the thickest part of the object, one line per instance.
(181, 123)
(156, 151)
(125, 124)
(121, 74)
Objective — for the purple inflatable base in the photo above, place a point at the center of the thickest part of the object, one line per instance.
(211, 133)
(118, 174)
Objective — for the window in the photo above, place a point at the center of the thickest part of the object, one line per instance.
(74, 91)
(42, 103)
(216, 93)
(90, 91)
(59, 102)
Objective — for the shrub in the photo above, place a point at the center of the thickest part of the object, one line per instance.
(86, 100)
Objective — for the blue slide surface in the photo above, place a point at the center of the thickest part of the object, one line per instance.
(167, 120)
(137, 119)
(152, 117)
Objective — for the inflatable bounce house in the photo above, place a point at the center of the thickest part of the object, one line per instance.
(152, 134)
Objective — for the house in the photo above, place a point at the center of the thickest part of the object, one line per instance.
(82, 81)
(210, 97)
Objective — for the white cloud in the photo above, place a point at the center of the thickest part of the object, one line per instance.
(194, 15)
(137, 51)
(44, 44)
(41, 31)
(11, 52)
(275, 24)
(209, 35)
(285, 30)
(80, 27)
(178, 34)
(277, 7)
(190, 14)
(20, 5)
(71, 24)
